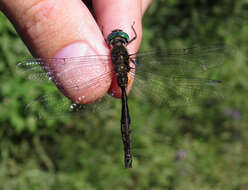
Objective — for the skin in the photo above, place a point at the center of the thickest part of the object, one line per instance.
(48, 28)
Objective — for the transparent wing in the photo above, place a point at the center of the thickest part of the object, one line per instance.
(182, 62)
(167, 77)
(175, 77)
(176, 92)
(40, 69)
(49, 106)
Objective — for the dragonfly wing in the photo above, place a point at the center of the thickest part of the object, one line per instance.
(176, 92)
(175, 77)
(182, 62)
(70, 75)
(42, 69)
(51, 106)
(80, 76)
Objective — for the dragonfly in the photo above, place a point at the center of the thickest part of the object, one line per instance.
(168, 75)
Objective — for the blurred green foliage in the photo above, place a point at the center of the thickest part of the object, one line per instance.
(202, 147)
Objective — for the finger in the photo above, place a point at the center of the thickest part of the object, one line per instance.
(145, 5)
(62, 29)
(112, 14)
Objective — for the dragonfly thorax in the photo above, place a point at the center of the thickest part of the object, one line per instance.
(118, 41)
(120, 60)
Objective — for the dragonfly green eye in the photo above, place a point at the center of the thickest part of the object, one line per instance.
(117, 33)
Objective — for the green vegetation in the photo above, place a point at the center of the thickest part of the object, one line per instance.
(203, 147)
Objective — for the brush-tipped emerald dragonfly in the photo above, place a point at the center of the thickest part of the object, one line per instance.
(167, 75)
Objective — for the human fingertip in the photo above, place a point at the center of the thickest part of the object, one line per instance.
(145, 5)
(74, 50)
(75, 72)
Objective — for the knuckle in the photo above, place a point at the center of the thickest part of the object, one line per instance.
(37, 19)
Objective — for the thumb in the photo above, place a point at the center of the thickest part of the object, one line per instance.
(60, 29)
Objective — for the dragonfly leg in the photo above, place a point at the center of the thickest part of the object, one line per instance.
(133, 61)
(135, 34)
(102, 30)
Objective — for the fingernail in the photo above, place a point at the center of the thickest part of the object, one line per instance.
(73, 76)
(75, 50)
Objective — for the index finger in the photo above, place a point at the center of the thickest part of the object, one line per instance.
(112, 15)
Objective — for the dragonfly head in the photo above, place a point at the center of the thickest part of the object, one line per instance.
(117, 36)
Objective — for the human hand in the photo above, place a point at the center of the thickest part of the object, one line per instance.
(62, 28)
